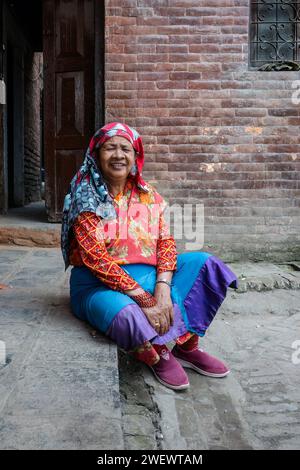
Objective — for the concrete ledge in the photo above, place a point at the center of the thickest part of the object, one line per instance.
(28, 226)
(30, 237)
(266, 276)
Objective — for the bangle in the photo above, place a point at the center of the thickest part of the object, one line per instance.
(165, 282)
(145, 300)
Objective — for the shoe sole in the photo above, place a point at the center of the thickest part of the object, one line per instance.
(188, 365)
(173, 387)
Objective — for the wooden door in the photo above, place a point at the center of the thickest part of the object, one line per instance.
(69, 93)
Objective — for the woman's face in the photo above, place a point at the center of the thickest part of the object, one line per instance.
(116, 158)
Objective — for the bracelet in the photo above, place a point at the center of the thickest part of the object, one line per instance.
(165, 282)
(145, 300)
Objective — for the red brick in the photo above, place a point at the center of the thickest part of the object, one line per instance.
(119, 20)
(153, 58)
(171, 48)
(170, 11)
(184, 76)
(171, 84)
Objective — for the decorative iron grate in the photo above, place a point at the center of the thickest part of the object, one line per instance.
(274, 31)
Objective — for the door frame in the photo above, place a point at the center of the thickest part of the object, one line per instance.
(13, 192)
(99, 63)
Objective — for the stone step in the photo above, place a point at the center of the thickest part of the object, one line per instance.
(20, 235)
(266, 276)
(28, 226)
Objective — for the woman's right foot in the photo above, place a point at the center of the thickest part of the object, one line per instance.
(201, 362)
(168, 371)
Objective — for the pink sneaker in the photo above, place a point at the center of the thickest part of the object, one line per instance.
(201, 362)
(169, 372)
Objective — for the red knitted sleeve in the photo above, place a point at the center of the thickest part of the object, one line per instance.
(166, 247)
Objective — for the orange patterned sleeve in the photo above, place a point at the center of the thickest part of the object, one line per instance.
(87, 231)
(166, 247)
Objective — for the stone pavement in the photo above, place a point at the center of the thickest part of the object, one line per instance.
(64, 386)
(258, 405)
(59, 388)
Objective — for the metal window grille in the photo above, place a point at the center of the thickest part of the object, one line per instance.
(274, 31)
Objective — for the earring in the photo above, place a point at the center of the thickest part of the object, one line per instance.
(133, 170)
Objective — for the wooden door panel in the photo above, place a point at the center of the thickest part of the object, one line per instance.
(70, 29)
(67, 163)
(70, 104)
(69, 93)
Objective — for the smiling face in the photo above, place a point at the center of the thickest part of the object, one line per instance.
(116, 158)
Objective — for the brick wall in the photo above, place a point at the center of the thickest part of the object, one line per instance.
(32, 131)
(215, 131)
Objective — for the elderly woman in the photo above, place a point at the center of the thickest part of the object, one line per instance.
(127, 280)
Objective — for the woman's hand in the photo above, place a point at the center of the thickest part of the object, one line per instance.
(157, 318)
(164, 302)
(161, 315)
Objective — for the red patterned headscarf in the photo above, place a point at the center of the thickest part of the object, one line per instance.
(116, 128)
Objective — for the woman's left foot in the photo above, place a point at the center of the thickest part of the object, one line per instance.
(201, 362)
